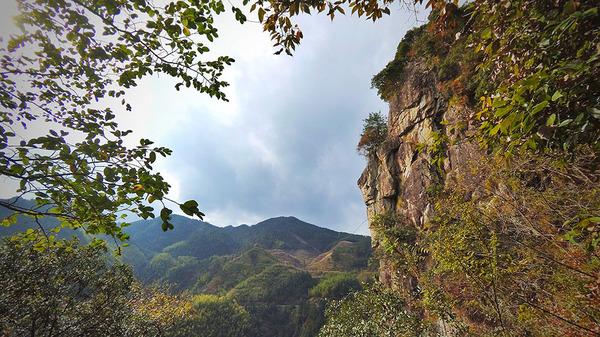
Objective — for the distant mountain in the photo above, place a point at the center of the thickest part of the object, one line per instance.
(269, 268)
(200, 239)
(205, 252)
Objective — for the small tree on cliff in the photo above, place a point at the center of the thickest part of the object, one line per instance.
(373, 134)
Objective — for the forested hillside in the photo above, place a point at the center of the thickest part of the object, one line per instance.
(268, 268)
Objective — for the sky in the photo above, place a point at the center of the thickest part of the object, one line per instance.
(285, 143)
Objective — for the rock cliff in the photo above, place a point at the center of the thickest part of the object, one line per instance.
(412, 164)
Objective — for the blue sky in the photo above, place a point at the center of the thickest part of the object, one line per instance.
(285, 143)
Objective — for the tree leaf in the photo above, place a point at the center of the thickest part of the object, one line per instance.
(539, 107)
(556, 96)
(550, 120)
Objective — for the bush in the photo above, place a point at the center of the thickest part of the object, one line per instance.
(372, 312)
(390, 77)
(62, 289)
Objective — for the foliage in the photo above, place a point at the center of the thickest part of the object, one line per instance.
(531, 64)
(398, 242)
(373, 134)
(435, 146)
(352, 256)
(227, 273)
(388, 79)
(70, 61)
(161, 263)
(335, 286)
(517, 260)
(214, 316)
(375, 311)
(232, 260)
(156, 312)
(513, 246)
(544, 63)
(276, 284)
(63, 289)
(277, 17)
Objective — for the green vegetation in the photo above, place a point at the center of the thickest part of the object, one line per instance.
(514, 253)
(373, 134)
(51, 285)
(497, 251)
(353, 256)
(261, 292)
(276, 284)
(69, 290)
(60, 73)
(271, 285)
(214, 316)
(375, 311)
(335, 286)
(531, 65)
(547, 96)
(387, 81)
(512, 245)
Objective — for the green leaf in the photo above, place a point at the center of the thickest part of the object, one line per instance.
(495, 130)
(551, 120)
(9, 220)
(595, 219)
(486, 34)
(565, 122)
(539, 107)
(261, 14)
(165, 214)
(556, 96)
(190, 208)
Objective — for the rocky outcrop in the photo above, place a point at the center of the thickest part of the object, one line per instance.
(403, 173)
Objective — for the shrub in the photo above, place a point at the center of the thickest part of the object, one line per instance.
(372, 312)
(390, 77)
(62, 289)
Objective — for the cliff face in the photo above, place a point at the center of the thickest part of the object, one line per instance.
(436, 203)
(506, 240)
(408, 168)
